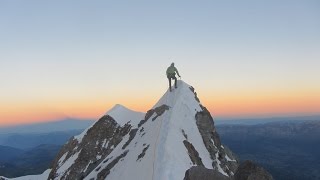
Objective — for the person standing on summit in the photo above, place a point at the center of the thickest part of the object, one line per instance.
(171, 74)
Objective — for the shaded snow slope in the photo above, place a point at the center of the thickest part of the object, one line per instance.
(161, 144)
(42, 176)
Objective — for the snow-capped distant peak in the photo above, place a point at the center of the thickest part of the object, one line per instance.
(122, 115)
(117, 108)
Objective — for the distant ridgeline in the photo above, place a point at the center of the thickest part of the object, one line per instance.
(289, 149)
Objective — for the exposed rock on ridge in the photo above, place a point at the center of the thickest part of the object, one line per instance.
(164, 143)
(95, 145)
(202, 173)
(250, 171)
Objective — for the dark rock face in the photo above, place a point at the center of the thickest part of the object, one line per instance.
(250, 171)
(143, 152)
(132, 134)
(220, 155)
(193, 153)
(91, 152)
(98, 142)
(246, 171)
(202, 173)
(105, 172)
(212, 142)
(158, 110)
(96, 145)
(195, 94)
(184, 134)
(206, 127)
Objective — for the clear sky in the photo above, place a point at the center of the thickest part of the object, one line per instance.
(78, 58)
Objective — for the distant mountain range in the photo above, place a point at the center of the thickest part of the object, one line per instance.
(256, 121)
(29, 136)
(27, 141)
(289, 150)
(19, 163)
(175, 139)
(8, 153)
(47, 127)
(30, 149)
(287, 146)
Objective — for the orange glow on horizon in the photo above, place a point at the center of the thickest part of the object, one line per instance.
(232, 105)
(23, 113)
(268, 105)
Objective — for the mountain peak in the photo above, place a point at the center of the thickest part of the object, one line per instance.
(163, 143)
(123, 115)
(184, 94)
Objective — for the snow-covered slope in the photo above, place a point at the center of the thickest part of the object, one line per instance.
(176, 134)
(42, 176)
(165, 156)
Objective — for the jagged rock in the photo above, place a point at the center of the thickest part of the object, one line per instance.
(91, 150)
(143, 152)
(202, 173)
(195, 94)
(206, 127)
(177, 132)
(158, 110)
(184, 134)
(250, 171)
(106, 171)
(193, 153)
(212, 142)
(132, 134)
(149, 114)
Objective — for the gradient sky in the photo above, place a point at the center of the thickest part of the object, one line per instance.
(78, 58)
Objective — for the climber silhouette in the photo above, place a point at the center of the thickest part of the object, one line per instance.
(171, 74)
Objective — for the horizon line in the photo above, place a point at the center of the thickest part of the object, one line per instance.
(218, 118)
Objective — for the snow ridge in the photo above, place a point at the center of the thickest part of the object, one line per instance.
(161, 144)
(162, 139)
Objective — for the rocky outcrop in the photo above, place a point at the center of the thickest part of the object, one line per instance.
(158, 110)
(106, 171)
(88, 151)
(177, 132)
(132, 134)
(250, 171)
(202, 173)
(246, 171)
(221, 157)
(193, 153)
(143, 153)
